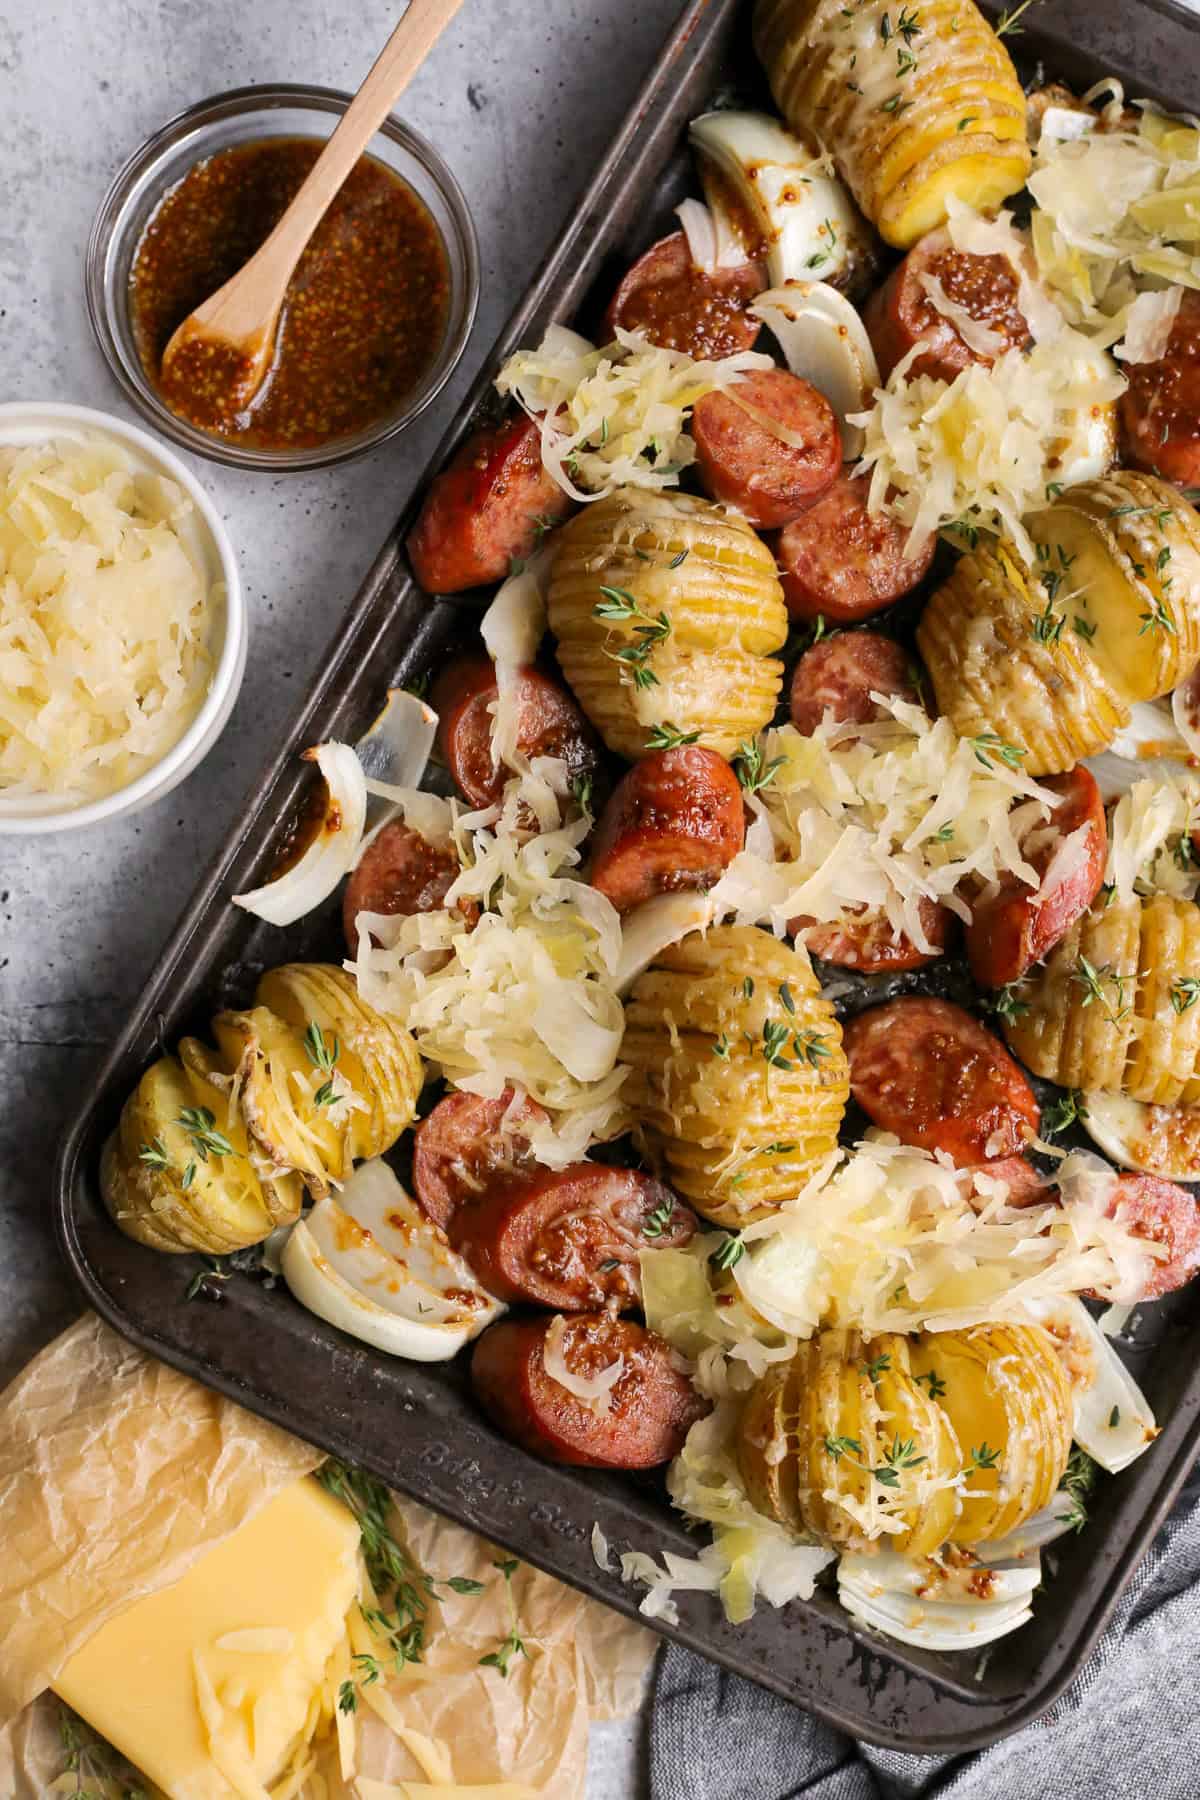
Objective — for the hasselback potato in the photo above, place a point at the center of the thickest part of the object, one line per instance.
(918, 105)
(666, 609)
(1127, 546)
(1051, 657)
(213, 1149)
(995, 671)
(1102, 1013)
(739, 1077)
(376, 1056)
(178, 1174)
(915, 1442)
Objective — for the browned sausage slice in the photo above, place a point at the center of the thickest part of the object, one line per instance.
(901, 313)
(569, 1238)
(651, 1407)
(745, 461)
(488, 508)
(840, 673)
(680, 307)
(1160, 409)
(400, 872)
(674, 822)
(868, 944)
(929, 1072)
(1164, 1214)
(841, 562)
(551, 725)
(464, 1145)
(1019, 925)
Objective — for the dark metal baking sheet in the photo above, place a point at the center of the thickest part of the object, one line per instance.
(415, 1425)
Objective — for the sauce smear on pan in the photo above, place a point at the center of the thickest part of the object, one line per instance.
(364, 315)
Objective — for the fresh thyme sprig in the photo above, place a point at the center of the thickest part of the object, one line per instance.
(1093, 979)
(90, 1760)
(501, 1658)
(657, 1222)
(619, 604)
(1069, 1109)
(752, 769)
(200, 1124)
(989, 744)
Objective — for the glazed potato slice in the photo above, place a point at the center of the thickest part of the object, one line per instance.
(765, 1460)
(176, 1163)
(993, 672)
(1127, 548)
(375, 1055)
(914, 1416)
(214, 1088)
(278, 1085)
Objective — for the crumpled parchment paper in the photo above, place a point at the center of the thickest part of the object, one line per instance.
(117, 1473)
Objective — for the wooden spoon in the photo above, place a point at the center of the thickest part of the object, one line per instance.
(216, 361)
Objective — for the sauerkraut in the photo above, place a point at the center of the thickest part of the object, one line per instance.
(878, 817)
(1117, 210)
(105, 611)
(980, 452)
(890, 1238)
(527, 997)
(615, 416)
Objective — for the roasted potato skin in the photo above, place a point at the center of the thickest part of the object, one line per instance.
(984, 1417)
(699, 571)
(907, 137)
(708, 1100)
(180, 1186)
(1115, 1030)
(215, 1147)
(376, 1055)
(1129, 546)
(992, 673)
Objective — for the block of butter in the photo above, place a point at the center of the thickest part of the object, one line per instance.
(209, 1687)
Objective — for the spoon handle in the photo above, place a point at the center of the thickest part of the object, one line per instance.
(271, 266)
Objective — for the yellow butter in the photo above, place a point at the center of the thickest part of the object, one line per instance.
(157, 1681)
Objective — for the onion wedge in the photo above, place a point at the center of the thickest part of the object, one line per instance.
(773, 195)
(1113, 1421)
(824, 342)
(332, 851)
(372, 1264)
(1155, 1140)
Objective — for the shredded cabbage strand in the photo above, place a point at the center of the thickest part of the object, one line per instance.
(615, 416)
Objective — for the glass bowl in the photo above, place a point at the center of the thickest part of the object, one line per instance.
(239, 117)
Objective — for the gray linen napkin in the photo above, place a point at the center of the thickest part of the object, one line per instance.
(1128, 1727)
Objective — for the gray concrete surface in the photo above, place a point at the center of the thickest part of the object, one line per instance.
(521, 99)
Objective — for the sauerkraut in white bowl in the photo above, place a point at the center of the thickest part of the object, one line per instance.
(122, 620)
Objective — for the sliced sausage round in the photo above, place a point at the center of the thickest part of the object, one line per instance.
(680, 307)
(930, 1073)
(839, 674)
(1019, 925)
(489, 507)
(400, 872)
(840, 562)
(651, 1406)
(551, 725)
(868, 943)
(464, 1145)
(1160, 409)
(901, 313)
(569, 1239)
(745, 460)
(674, 822)
(1164, 1214)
